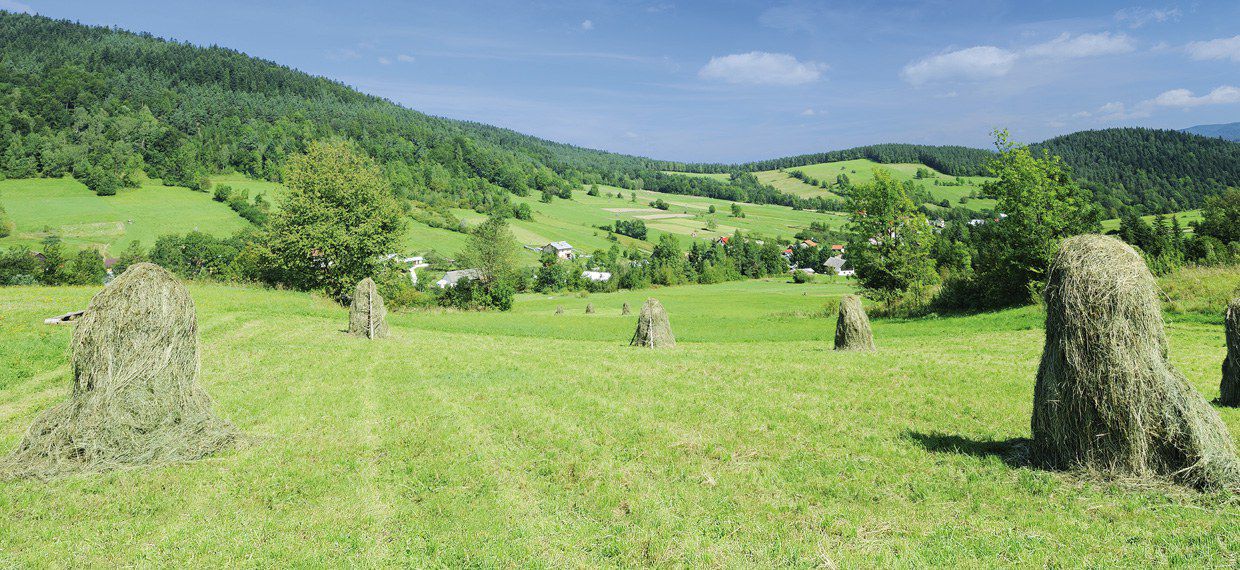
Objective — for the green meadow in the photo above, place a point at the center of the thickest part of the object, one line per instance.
(862, 170)
(63, 206)
(530, 439)
(1185, 218)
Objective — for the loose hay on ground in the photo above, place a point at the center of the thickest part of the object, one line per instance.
(1107, 400)
(135, 397)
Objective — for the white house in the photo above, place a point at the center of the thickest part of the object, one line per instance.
(596, 276)
(837, 264)
(415, 263)
(561, 249)
(451, 278)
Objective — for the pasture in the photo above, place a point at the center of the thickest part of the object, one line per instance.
(63, 206)
(534, 439)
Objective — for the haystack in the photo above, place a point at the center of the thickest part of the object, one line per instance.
(1229, 389)
(852, 328)
(367, 316)
(135, 398)
(625, 310)
(589, 308)
(654, 329)
(1107, 400)
(559, 310)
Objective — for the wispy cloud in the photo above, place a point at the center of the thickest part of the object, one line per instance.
(405, 58)
(1136, 17)
(587, 25)
(762, 68)
(1067, 46)
(384, 61)
(15, 6)
(978, 62)
(343, 54)
(1223, 95)
(1222, 48)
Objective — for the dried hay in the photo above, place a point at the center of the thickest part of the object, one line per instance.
(1229, 388)
(135, 398)
(625, 310)
(589, 308)
(367, 315)
(654, 329)
(1107, 401)
(852, 327)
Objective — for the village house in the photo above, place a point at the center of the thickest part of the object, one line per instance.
(451, 278)
(836, 264)
(415, 263)
(560, 249)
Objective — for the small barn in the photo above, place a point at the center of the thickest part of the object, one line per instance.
(451, 278)
(560, 249)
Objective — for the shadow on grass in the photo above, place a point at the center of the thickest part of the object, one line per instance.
(1014, 452)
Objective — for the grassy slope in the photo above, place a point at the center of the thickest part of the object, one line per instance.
(1185, 217)
(533, 439)
(68, 208)
(862, 170)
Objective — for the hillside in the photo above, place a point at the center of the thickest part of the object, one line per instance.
(1226, 131)
(474, 439)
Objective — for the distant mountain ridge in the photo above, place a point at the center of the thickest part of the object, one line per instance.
(1225, 131)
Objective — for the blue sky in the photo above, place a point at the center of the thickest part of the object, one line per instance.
(735, 81)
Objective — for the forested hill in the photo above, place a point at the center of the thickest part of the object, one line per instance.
(1228, 131)
(953, 160)
(105, 104)
(1160, 170)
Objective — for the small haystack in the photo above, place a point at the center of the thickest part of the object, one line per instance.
(135, 398)
(852, 328)
(367, 315)
(559, 310)
(589, 308)
(625, 310)
(654, 329)
(1229, 389)
(1107, 400)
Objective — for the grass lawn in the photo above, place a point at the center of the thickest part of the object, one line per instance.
(862, 170)
(1184, 217)
(65, 207)
(530, 439)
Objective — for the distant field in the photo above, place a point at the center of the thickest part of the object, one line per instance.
(63, 206)
(784, 182)
(1184, 217)
(530, 439)
(713, 175)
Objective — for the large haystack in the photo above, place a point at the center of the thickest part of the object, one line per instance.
(625, 310)
(1229, 389)
(367, 316)
(135, 398)
(589, 308)
(1107, 400)
(852, 328)
(654, 329)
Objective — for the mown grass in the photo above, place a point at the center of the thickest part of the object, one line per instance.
(63, 206)
(1185, 218)
(530, 439)
(862, 170)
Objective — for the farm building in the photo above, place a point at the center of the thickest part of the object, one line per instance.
(837, 264)
(561, 249)
(451, 278)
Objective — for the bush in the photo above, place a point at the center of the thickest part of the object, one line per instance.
(802, 277)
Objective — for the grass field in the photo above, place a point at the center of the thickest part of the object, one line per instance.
(65, 207)
(1184, 217)
(530, 439)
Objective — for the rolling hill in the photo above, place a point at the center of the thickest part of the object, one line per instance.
(1226, 131)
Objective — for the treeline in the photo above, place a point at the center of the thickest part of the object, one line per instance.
(953, 160)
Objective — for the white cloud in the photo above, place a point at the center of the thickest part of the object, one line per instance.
(587, 25)
(1224, 95)
(15, 6)
(759, 67)
(384, 61)
(1084, 45)
(405, 58)
(979, 62)
(808, 113)
(1222, 48)
(1137, 17)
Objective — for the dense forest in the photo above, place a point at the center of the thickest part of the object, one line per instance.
(107, 105)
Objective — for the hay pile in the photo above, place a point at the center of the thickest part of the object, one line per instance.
(589, 308)
(1106, 400)
(1229, 389)
(136, 398)
(654, 329)
(625, 310)
(852, 328)
(367, 315)
(559, 310)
